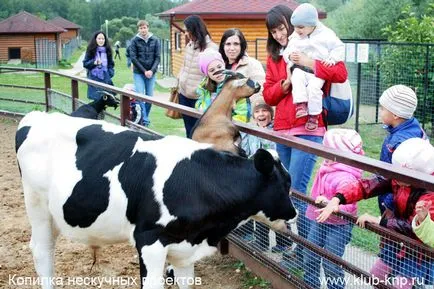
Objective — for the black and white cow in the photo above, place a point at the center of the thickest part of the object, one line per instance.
(172, 197)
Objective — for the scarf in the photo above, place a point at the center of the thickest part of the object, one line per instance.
(99, 70)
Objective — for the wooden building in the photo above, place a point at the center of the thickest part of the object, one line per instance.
(72, 29)
(247, 15)
(20, 33)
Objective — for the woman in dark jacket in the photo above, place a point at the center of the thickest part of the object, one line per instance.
(99, 63)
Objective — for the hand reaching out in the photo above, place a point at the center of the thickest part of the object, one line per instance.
(422, 210)
(321, 200)
(366, 218)
(332, 207)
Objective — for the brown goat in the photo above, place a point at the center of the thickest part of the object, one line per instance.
(215, 126)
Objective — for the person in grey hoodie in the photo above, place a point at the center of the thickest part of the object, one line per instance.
(144, 52)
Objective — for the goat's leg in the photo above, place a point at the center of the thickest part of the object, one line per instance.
(43, 238)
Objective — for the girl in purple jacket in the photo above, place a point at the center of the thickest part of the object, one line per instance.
(334, 234)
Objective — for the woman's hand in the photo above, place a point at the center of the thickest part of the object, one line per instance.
(287, 82)
(302, 59)
(361, 221)
(332, 207)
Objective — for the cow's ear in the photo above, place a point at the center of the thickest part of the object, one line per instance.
(264, 161)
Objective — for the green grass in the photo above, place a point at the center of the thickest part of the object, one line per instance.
(123, 75)
(249, 279)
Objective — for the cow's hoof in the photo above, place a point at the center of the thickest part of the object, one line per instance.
(170, 273)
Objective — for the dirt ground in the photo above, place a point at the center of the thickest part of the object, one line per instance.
(117, 263)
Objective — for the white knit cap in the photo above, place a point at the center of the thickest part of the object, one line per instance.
(347, 140)
(305, 15)
(416, 154)
(400, 100)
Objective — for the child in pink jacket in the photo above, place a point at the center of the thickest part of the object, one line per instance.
(334, 234)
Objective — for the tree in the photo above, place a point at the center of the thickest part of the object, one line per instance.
(413, 64)
(364, 19)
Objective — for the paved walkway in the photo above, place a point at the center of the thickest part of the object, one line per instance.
(77, 68)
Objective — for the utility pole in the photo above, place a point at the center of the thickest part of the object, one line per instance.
(106, 28)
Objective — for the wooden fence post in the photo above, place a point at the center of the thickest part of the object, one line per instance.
(74, 93)
(125, 109)
(47, 81)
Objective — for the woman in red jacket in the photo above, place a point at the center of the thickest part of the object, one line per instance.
(277, 92)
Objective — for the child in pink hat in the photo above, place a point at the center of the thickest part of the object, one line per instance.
(211, 64)
(334, 234)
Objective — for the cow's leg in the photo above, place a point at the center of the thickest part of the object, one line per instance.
(184, 276)
(43, 238)
(152, 259)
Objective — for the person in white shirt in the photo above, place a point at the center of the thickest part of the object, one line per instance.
(319, 42)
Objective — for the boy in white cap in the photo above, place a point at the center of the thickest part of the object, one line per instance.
(397, 106)
(334, 234)
(416, 154)
(319, 42)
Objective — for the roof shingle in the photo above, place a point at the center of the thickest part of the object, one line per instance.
(230, 8)
(24, 22)
(62, 22)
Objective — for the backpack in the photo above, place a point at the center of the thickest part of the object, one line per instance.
(339, 104)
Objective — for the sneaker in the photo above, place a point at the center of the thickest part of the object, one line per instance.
(312, 123)
(279, 249)
(300, 109)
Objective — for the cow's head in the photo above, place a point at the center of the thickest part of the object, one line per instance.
(274, 198)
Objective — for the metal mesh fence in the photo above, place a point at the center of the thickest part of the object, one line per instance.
(389, 64)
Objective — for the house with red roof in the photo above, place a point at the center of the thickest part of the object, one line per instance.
(247, 15)
(72, 29)
(23, 36)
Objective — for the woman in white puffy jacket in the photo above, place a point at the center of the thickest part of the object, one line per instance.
(190, 75)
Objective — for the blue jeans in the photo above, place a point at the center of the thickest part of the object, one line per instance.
(189, 121)
(300, 166)
(333, 238)
(145, 86)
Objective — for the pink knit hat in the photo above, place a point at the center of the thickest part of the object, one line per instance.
(206, 57)
(416, 154)
(347, 140)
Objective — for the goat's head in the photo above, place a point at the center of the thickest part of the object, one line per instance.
(243, 86)
(109, 99)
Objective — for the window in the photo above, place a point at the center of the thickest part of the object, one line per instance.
(14, 53)
(177, 41)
